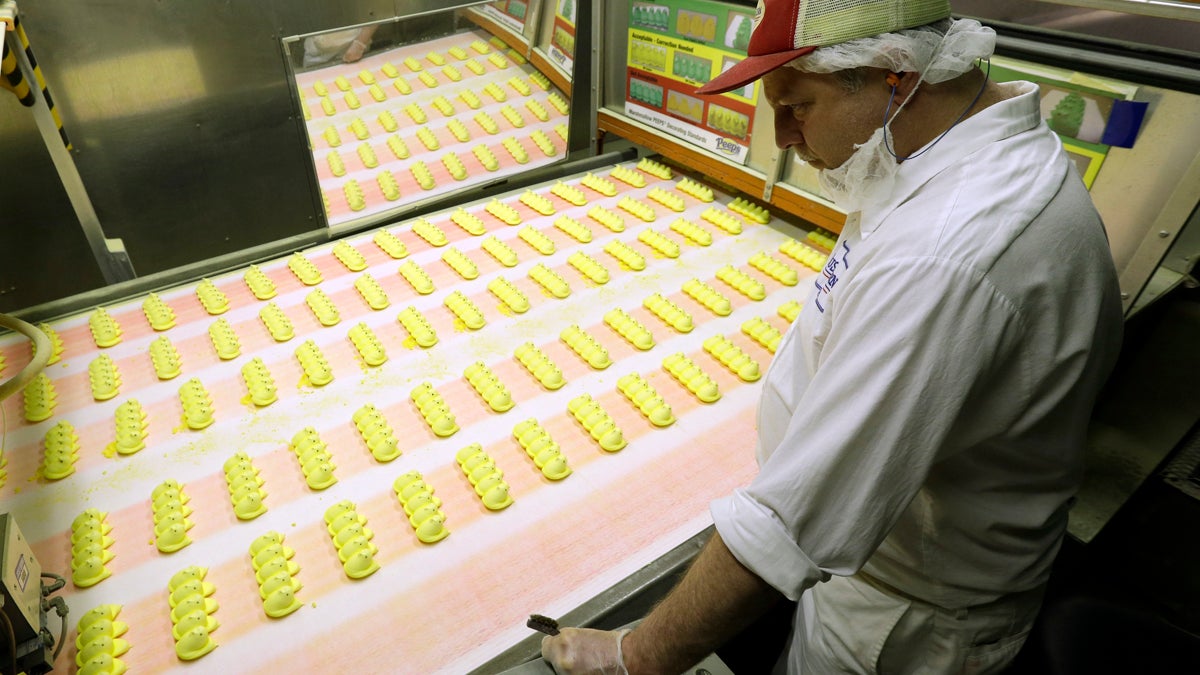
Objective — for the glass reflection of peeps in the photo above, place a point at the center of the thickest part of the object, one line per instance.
(401, 119)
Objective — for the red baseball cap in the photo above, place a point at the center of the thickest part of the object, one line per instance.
(788, 29)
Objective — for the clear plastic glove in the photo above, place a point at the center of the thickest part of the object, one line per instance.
(355, 51)
(585, 651)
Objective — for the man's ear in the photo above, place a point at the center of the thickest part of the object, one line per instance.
(905, 83)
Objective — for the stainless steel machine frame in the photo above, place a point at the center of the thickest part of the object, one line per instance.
(188, 155)
(188, 150)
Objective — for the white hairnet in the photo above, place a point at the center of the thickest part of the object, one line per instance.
(937, 56)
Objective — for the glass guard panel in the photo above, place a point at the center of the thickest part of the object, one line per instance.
(408, 110)
(511, 14)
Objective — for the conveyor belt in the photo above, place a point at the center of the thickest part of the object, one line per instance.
(445, 606)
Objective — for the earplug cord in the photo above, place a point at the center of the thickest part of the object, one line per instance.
(888, 111)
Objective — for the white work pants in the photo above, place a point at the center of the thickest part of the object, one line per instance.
(858, 625)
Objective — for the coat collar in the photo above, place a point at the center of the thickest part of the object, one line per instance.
(997, 122)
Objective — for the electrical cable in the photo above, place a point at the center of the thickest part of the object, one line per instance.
(43, 350)
(60, 608)
(59, 582)
(892, 98)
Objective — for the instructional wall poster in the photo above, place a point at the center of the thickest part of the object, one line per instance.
(675, 47)
(1089, 114)
(507, 13)
(562, 39)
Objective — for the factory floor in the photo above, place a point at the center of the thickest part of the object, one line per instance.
(1128, 600)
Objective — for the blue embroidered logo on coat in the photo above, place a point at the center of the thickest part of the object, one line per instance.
(829, 275)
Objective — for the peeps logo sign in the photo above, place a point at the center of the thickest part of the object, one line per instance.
(728, 147)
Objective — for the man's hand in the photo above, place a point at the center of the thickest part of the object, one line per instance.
(355, 51)
(716, 598)
(584, 651)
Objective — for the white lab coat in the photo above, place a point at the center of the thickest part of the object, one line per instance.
(923, 420)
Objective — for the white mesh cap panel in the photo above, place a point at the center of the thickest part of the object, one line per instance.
(926, 50)
(826, 22)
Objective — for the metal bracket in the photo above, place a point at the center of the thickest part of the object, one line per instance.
(110, 254)
(583, 136)
(774, 174)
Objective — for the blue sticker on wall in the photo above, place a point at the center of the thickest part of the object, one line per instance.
(1124, 121)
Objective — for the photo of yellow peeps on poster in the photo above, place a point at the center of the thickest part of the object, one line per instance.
(1076, 107)
(677, 46)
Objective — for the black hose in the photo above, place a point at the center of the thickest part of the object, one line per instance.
(12, 642)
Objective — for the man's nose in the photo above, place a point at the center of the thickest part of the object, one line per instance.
(787, 130)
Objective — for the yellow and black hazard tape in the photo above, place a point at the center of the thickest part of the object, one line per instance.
(11, 79)
(14, 81)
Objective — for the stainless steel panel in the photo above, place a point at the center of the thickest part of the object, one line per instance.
(184, 134)
(1169, 25)
(108, 252)
(43, 253)
(178, 115)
